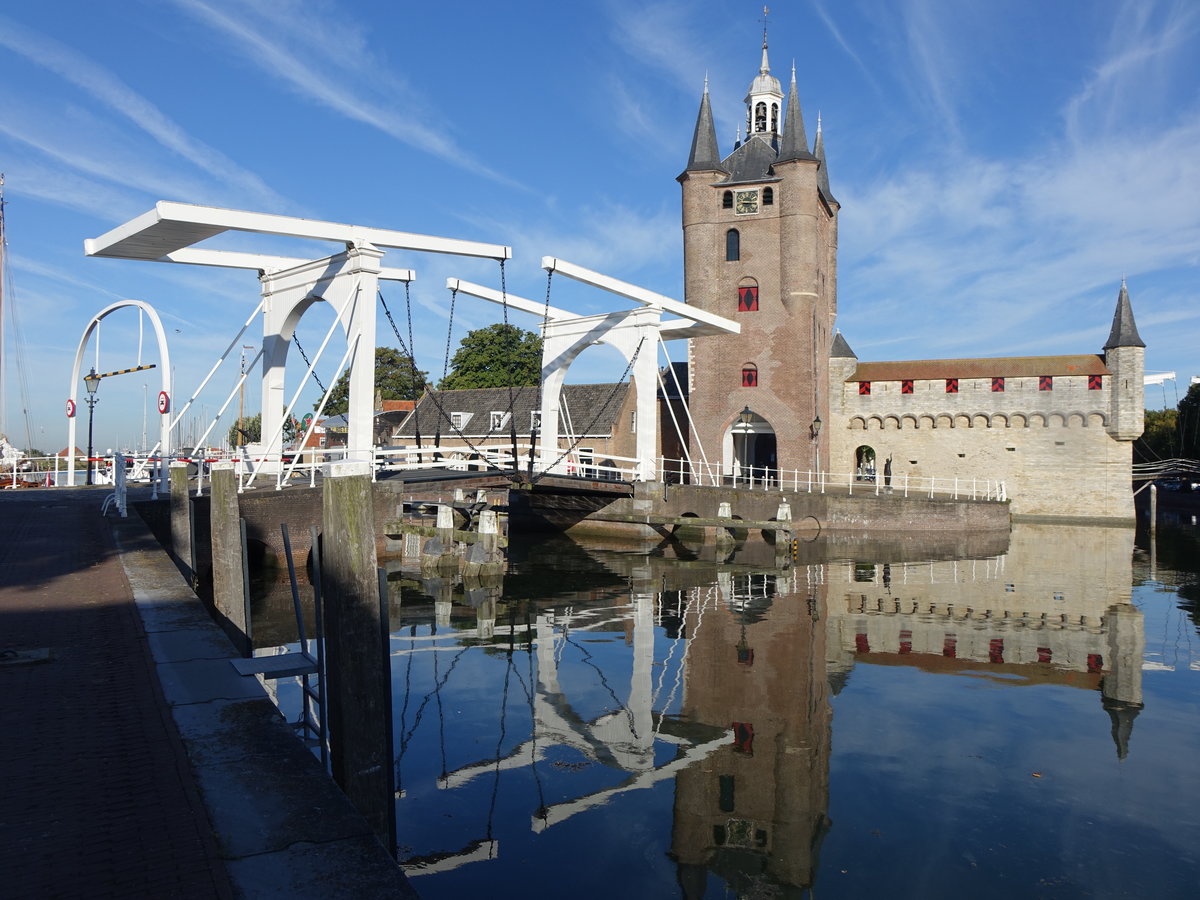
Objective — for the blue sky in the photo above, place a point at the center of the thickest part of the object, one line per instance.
(1001, 165)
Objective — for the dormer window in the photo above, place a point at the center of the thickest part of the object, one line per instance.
(498, 418)
(458, 420)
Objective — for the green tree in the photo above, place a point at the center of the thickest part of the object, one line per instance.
(248, 430)
(1160, 437)
(394, 380)
(1189, 424)
(496, 356)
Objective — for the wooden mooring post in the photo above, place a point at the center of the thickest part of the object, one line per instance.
(230, 596)
(182, 545)
(358, 672)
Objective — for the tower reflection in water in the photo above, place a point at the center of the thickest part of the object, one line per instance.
(696, 695)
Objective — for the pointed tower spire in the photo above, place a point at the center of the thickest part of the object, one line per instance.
(823, 171)
(705, 157)
(795, 142)
(1124, 330)
(764, 99)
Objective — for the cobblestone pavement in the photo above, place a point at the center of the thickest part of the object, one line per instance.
(99, 799)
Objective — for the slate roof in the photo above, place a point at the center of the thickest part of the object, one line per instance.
(593, 407)
(705, 156)
(840, 349)
(1124, 330)
(795, 143)
(752, 161)
(1009, 367)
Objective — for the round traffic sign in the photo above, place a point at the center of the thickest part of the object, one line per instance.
(164, 402)
(70, 408)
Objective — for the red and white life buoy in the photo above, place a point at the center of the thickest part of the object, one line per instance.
(164, 402)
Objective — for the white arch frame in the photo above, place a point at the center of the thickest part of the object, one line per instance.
(164, 358)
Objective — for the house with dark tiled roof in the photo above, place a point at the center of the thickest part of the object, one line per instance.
(596, 422)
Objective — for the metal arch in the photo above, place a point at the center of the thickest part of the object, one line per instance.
(164, 357)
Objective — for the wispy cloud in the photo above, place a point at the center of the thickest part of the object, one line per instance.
(322, 56)
(105, 88)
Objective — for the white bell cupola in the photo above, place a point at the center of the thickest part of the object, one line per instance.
(764, 100)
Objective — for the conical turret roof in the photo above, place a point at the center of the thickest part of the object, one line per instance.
(705, 157)
(1124, 331)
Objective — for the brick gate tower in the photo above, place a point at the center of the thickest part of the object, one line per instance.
(760, 246)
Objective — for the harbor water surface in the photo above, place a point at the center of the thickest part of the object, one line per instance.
(1011, 717)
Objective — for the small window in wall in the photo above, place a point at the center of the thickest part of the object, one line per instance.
(727, 200)
(1095, 382)
(951, 385)
(748, 298)
(998, 385)
(749, 375)
(768, 196)
(743, 738)
(633, 421)
(906, 386)
(864, 388)
(1045, 382)
(733, 245)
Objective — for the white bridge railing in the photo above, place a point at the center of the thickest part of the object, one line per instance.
(279, 469)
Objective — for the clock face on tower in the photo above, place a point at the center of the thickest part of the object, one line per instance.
(745, 203)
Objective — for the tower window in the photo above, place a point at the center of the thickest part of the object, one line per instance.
(733, 245)
(760, 116)
(864, 388)
(748, 298)
(775, 117)
(768, 196)
(749, 375)
(998, 385)
(727, 200)
(951, 385)
(1045, 382)
(1095, 382)
(906, 386)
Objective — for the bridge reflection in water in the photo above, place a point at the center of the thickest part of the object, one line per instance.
(656, 726)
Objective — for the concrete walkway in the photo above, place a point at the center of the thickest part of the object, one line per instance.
(136, 762)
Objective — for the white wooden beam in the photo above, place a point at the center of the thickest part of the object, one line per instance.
(639, 294)
(524, 305)
(170, 227)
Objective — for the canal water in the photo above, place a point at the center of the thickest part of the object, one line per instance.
(986, 717)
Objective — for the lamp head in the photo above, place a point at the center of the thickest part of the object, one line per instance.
(816, 427)
(746, 416)
(91, 381)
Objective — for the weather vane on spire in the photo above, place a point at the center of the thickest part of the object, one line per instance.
(766, 12)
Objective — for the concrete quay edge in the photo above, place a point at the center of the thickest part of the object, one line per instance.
(283, 827)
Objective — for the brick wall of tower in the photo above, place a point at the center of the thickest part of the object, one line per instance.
(788, 249)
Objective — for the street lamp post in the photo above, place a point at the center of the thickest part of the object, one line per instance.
(816, 434)
(91, 381)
